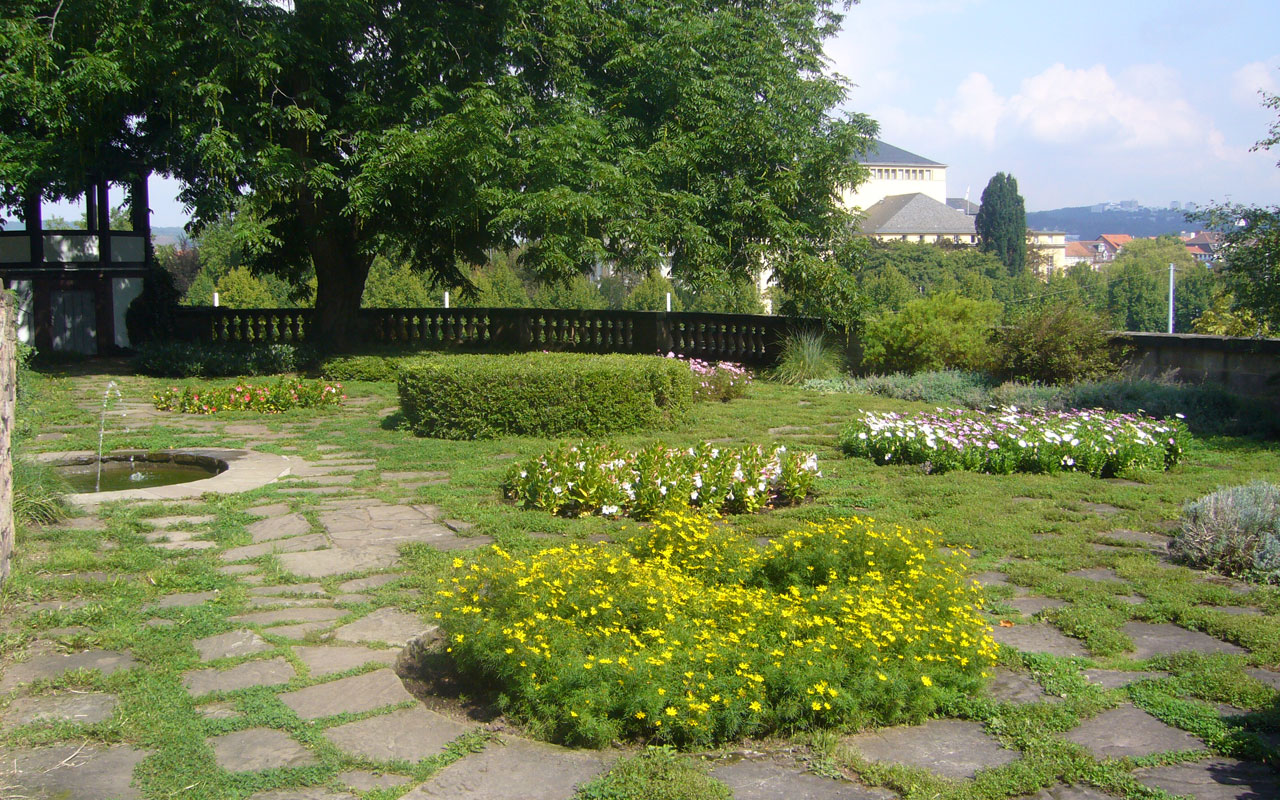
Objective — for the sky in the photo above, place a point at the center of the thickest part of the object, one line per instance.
(1083, 102)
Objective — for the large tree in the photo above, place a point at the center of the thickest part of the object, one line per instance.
(696, 132)
(1002, 222)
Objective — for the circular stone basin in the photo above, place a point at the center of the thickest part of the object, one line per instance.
(184, 474)
(138, 471)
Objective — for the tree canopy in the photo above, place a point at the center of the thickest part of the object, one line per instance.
(1002, 222)
(699, 134)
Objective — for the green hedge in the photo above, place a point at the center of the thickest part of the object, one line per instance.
(367, 367)
(542, 394)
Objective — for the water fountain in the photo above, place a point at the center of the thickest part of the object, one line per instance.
(102, 426)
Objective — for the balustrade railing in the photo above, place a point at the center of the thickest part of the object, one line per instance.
(743, 338)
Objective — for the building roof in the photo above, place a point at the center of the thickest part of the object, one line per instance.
(914, 214)
(962, 204)
(1210, 238)
(882, 153)
(1080, 250)
(1115, 240)
(1199, 250)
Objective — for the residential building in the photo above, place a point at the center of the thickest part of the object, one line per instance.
(1051, 246)
(894, 171)
(917, 217)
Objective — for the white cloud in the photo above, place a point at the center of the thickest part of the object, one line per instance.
(1258, 76)
(976, 110)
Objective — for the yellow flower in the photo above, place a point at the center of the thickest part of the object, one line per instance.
(640, 715)
(926, 680)
(671, 711)
(755, 705)
(881, 676)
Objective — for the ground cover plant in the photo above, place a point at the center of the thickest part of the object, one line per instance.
(723, 380)
(579, 479)
(175, 359)
(263, 398)
(1100, 443)
(695, 636)
(542, 394)
(1235, 531)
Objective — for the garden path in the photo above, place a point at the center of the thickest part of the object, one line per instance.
(285, 681)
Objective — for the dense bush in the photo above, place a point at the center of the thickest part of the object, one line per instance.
(1099, 443)
(542, 394)
(808, 355)
(201, 360)
(262, 398)
(367, 367)
(939, 332)
(942, 387)
(605, 479)
(696, 636)
(1059, 343)
(1234, 531)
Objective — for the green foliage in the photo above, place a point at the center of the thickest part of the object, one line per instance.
(651, 293)
(658, 773)
(943, 331)
(1250, 257)
(808, 355)
(699, 638)
(262, 398)
(1058, 343)
(892, 274)
(722, 381)
(576, 293)
(542, 394)
(584, 479)
(1138, 285)
(722, 297)
(39, 493)
(239, 289)
(498, 286)
(173, 359)
(951, 387)
(1224, 318)
(366, 367)
(825, 290)
(1209, 408)
(398, 286)
(1234, 531)
(1001, 223)
(150, 317)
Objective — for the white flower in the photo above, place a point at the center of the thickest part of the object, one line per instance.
(609, 510)
(557, 490)
(693, 495)
(524, 474)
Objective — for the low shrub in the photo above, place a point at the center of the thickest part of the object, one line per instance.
(944, 331)
(808, 355)
(1059, 343)
(944, 387)
(1234, 531)
(1093, 441)
(172, 359)
(1209, 408)
(366, 367)
(605, 479)
(696, 636)
(723, 380)
(658, 773)
(262, 398)
(542, 394)
(39, 493)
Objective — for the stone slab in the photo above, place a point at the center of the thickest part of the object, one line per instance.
(219, 710)
(288, 602)
(1269, 677)
(251, 673)
(82, 708)
(323, 660)
(288, 589)
(54, 664)
(347, 695)
(1034, 604)
(1115, 678)
(231, 644)
(1038, 638)
(392, 534)
(1069, 792)
(1162, 639)
(386, 625)
(325, 563)
(365, 781)
(1214, 779)
(1100, 574)
(298, 631)
(271, 510)
(181, 599)
(1103, 509)
(949, 747)
(183, 545)
(1128, 731)
(991, 578)
(1007, 686)
(769, 780)
(169, 522)
(371, 582)
(258, 749)
(289, 615)
(410, 734)
(73, 772)
(515, 769)
(295, 544)
(270, 529)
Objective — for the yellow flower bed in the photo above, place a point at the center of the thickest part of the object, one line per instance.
(696, 636)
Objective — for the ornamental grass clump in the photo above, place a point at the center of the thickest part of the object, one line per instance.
(582, 479)
(262, 398)
(1233, 531)
(1097, 442)
(696, 637)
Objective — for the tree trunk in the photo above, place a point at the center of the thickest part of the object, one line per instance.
(341, 271)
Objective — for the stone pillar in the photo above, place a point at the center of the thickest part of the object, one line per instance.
(8, 388)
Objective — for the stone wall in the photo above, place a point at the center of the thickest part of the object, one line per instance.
(1245, 366)
(8, 388)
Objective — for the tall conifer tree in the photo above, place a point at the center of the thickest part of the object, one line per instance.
(1002, 222)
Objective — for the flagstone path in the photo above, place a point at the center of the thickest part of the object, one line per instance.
(334, 664)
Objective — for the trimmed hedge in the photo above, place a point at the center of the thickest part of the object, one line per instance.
(367, 367)
(176, 359)
(542, 394)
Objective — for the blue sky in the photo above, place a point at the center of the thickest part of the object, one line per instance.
(1083, 101)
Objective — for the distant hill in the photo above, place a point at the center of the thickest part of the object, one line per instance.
(162, 236)
(1080, 222)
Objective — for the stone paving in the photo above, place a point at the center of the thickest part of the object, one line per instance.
(335, 671)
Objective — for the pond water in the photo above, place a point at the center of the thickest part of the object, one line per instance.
(118, 475)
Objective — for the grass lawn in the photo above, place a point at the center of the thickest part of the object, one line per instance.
(1035, 529)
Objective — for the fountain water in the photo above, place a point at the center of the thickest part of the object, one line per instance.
(102, 425)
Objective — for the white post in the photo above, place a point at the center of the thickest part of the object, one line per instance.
(668, 301)
(446, 299)
(1170, 297)
(215, 299)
